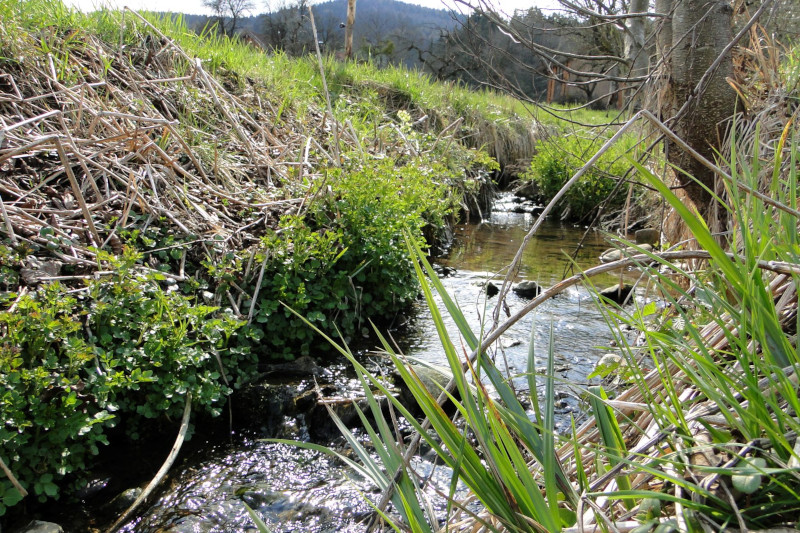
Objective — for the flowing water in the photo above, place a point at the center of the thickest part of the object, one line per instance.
(482, 252)
(301, 490)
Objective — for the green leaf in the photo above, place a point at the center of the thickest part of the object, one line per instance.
(51, 489)
(260, 525)
(568, 517)
(749, 479)
(647, 310)
(11, 497)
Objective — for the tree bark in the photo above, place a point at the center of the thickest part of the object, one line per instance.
(700, 30)
(635, 53)
(664, 32)
(348, 31)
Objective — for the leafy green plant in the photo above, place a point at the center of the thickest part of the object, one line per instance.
(9, 276)
(559, 157)
(344, 260)
(73, 364)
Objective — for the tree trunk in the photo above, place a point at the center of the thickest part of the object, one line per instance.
(635, 53)
(664, 32)
(348, 31)
(700, 31)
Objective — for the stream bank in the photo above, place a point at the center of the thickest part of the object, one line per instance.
(295, 489)
(160, 205)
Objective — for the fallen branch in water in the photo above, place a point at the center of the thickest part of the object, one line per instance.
(173, 454)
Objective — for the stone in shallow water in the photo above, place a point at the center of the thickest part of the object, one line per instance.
(527, 289)
(124, 500)
(617, 294)
(38, 526)
(615, 254)
(433, 377)
(491, 289)
(648, 236)
(510, 342)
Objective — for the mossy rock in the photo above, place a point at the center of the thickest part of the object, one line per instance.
(648, 236)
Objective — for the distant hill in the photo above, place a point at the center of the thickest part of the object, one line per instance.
(385, 30)
(384, 17)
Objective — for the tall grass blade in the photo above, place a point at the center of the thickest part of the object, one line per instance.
(260, 525)
(610, 434)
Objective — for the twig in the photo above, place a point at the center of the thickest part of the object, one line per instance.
(173, 454)
(258, 288)
(12, 479)
(77, 191)
(334, 122)
(31, 120)
(7, 222)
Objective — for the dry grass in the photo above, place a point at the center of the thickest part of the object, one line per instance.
(96, 138)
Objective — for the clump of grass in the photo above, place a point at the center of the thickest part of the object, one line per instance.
(706, 435)
(558, 158)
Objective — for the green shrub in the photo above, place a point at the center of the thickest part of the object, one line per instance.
(344, 261)
(74, 363)
(557, 159)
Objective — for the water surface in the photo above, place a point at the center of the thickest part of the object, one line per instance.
(483, 252)
(305, 491)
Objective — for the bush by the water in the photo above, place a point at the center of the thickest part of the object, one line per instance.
(558, 158)
(345, 259)
(74, 363)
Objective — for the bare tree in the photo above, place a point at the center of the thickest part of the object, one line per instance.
(692, 40)
(699, 32)
(348, 29)
(286, 27)
(228, 12)
(635, 42)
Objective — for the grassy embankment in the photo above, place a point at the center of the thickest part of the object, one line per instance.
(576, 134)
(162, 194)
(697, 427)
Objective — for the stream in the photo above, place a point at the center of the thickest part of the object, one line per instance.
(293, 489)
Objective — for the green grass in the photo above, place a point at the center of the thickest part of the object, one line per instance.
(292, 81)
(567, 116)
(712, 438)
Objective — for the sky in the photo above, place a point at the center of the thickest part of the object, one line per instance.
(196, 6)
